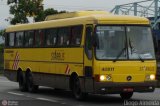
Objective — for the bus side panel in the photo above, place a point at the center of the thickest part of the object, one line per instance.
(49, 66)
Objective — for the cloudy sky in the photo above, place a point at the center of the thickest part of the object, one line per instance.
(69, 5)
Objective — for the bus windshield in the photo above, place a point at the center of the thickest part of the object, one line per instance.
(124, 42)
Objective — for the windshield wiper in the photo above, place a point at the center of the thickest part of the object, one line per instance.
(135, 51)
(121, 52)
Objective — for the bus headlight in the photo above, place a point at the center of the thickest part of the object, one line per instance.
(152, 77)
(102, 77)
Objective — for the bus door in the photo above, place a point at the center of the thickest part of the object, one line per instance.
(88, 55)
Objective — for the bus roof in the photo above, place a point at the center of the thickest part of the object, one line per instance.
(80, 19)
(74, 14)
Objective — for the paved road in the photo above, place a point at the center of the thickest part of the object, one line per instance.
(50, 97)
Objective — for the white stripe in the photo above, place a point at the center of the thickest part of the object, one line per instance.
(19, 94)
(68, 70)
(45, 99)
(6, 81)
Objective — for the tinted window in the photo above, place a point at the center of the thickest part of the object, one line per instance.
(19, 39)
(63, 36)
(88, 43)
(39, 36)
(76, 35)
(11, 39)
(51, 37)
(6, 39)
(29, 35)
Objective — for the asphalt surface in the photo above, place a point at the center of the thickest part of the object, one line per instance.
(10, 93)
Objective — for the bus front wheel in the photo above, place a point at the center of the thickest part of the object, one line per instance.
(78, 94)
(126, 95)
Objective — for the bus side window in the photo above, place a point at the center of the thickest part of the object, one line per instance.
(6, 39)
(19, 39)
(88, 42)
(29, 35)
(76, 35)
(63, 36)
(51, 37)
(39, 36)
(11, 39)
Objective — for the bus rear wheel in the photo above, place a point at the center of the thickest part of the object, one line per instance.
(22, 83)
(126, 95)
(30, 84)
(78, 94)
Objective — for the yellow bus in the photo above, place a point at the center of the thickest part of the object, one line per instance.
(86, 52)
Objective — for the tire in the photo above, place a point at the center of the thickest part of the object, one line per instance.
(22, 82)
(78, 94)
(126, 95)
(30, 84)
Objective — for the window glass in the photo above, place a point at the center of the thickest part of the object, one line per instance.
(39, 36)
(111, 43)
(51, 37)
(29, 35)
(76, 34)
(19, 39)
(11, 39)
(63, 36)
(88, 44)
(140, 42)
(6, 39)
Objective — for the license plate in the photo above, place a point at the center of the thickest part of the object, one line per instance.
(128, 89)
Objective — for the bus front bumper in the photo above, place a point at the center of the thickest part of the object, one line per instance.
(116, 88)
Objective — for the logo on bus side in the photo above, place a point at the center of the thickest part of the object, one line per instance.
(57, 55)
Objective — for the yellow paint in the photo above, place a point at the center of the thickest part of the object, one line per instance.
(45, 60)
(122, 69)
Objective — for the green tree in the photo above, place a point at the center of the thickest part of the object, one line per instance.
(21, 9)
(43, 14)
(2, 33)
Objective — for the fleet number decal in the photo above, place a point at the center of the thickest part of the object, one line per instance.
(58, 55)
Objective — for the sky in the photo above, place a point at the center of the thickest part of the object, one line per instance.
(69, 5)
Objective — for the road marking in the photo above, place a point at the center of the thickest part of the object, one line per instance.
(45, 99)
(63, 103)
(5, 81)
(14, 93)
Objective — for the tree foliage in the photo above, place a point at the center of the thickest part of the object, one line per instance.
(2, 33)
(21, 9)
(45, 13)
